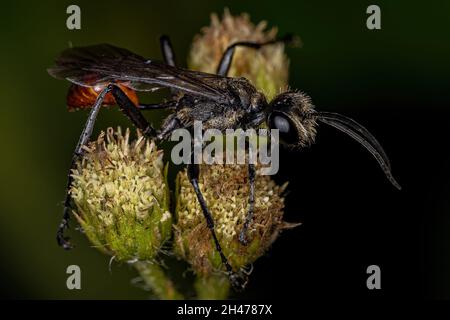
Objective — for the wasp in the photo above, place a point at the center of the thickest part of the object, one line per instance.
(107, 75)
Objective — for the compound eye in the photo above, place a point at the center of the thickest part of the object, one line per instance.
(287, 129)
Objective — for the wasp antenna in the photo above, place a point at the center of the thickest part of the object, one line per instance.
(358, 128)
(361, 135)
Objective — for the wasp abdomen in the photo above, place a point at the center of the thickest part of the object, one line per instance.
(80, 97)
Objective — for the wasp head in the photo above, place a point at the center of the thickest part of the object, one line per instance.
(292, 113)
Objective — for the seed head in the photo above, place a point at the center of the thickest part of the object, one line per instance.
(226, 191)
(266, 68)
(120, 192)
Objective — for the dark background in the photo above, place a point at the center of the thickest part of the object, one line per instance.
(394, 81)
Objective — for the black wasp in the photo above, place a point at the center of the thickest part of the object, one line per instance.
(107, 75)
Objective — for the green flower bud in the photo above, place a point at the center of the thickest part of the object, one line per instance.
(121, 196)
(226, 191)
(266, 68)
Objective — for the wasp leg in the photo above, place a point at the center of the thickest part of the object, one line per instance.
(170, 124)
(251, 204)
(168, 54)
(84, 138)
(227, 57)
(167, 50)
(169, 58)
(193, 173)
(132, 113)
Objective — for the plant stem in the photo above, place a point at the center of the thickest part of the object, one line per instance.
(154, 276)
(212, 287)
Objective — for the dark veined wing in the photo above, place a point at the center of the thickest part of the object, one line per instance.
(102, 64)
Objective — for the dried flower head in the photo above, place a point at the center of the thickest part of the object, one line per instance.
(226, 191)
(121, 196)
(266, 68)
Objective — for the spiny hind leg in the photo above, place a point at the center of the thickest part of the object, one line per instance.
(237, 281)
(84, 138)
(251, 204)
(167, 50)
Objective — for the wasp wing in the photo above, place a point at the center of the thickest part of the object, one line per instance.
(103, 64)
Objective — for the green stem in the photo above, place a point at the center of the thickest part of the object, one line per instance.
(154, 276)
(212, 287)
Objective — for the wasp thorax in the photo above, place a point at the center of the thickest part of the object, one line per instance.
(226, 191)
(258, 102)
(121, 196)
(292, 113)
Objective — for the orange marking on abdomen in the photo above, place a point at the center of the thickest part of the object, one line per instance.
(80, 97)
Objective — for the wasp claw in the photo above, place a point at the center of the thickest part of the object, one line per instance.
(63, 242)
(238, 280)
